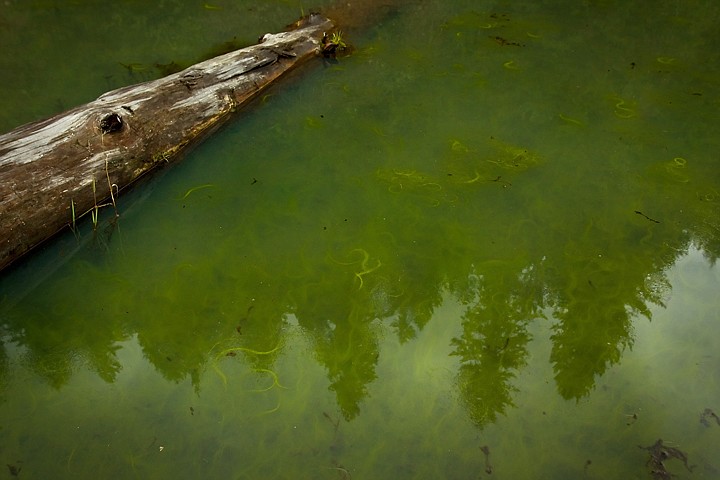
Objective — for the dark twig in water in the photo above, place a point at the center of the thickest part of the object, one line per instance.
(648, 218)
(486, 450)
(335, 422)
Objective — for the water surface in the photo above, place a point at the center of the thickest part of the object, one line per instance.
(483, 245)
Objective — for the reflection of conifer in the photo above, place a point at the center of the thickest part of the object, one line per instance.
(595, 313)
(492, 348)
(351, 358)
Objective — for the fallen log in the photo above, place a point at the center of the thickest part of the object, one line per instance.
(55, 170)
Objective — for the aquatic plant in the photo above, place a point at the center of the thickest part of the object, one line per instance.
(94, 211)
(337, 40)
(113, 188)
(332, 43)
(72, 211)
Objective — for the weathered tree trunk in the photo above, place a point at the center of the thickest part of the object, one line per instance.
(64, 166)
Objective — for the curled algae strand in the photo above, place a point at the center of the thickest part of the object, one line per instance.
(220, 373)
(274, 377)
(711, 196)
(399, 178)
(458, 147)
(194, 189)
(227, 351)
(676, 169)
(230, 352)
(359, 275)
(364, 265)
(624, 108)
(570, 120)
(679, 161)
(272, 410)
(476, 178)
(365, 269)
(409, 173)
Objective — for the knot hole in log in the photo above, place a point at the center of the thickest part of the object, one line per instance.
(110, 123)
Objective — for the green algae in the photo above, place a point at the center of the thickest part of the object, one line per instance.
(408, 246)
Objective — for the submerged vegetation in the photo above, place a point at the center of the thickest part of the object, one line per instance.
(456, 249)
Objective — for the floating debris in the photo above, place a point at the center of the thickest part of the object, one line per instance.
(708, 413)
(14, 469)
(631, 419)
(504, 42)
(659, 453)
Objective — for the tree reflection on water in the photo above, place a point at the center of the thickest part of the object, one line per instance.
(506, 275)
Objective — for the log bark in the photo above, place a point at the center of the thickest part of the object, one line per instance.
(54, 170)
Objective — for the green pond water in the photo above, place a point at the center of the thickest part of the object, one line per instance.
(483, 245)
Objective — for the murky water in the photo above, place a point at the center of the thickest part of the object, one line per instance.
(484, 245)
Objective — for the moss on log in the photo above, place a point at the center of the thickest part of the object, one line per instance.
(66, 165)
